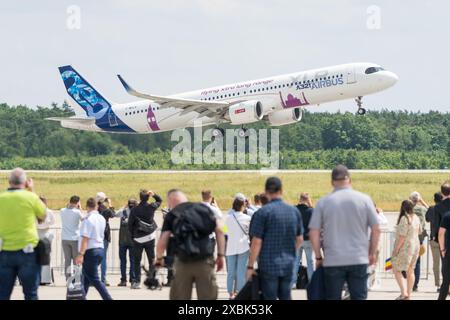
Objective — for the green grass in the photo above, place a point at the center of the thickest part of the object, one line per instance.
(386, 189)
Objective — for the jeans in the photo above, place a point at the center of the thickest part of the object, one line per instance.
(443, 292)
(306, 246)
(236, 270)
(417, 273)
(103, 266)
(92, 259)
(138, 248)
(123, 263)
(23, 265)
(274, 287)
(355, 276)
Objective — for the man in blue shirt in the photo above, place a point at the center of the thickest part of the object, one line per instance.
(276, 232)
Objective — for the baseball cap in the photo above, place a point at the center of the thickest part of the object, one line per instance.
(100, 196)
(240, 196)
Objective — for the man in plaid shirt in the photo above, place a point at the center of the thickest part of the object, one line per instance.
(276, 232)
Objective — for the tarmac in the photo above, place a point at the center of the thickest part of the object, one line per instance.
(387, 290)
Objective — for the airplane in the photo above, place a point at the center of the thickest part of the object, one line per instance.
(278, 100)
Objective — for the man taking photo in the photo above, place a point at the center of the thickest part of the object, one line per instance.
(19, 210)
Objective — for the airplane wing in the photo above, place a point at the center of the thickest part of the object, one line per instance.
(206, 108)
(85, 121)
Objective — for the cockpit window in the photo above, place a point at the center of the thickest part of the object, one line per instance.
(373, 69)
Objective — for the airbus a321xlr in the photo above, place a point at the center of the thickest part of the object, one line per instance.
(278, 100)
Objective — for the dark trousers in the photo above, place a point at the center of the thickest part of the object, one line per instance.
(138, 248)
(355, 276)
(92, 260)
(443, 292)
(18, 264)
(417, 273)
(169, 260)
(123, 263)
(274, 287)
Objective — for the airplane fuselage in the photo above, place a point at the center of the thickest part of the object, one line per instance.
(296, 90)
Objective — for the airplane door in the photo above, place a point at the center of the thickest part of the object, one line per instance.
(351, 76)
(112, 119)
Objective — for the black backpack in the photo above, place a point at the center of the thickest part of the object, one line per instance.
(193, 224)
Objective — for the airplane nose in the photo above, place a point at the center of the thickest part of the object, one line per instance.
(391, 78)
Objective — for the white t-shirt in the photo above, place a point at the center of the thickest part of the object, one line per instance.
(237, 239)
(217, 215)
(70, 220)
(252, 209)
(215, 210)
(93, 227)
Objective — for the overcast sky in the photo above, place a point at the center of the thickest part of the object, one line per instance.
(170, 46)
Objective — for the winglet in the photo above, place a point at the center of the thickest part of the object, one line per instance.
(125, 85)
(133, 92)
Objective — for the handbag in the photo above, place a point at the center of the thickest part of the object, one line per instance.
(43, 249)
(316, 287)
(251, 290)
(302, 278)
(75, 287)
(148, 228)
(422, 250)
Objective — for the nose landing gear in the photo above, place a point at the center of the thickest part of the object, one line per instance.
(361, 111)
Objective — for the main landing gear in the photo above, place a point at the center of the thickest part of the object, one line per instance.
(218, 132)
(361, 111)
(243, 132)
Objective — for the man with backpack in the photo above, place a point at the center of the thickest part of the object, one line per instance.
(191, 224)
(143, 227)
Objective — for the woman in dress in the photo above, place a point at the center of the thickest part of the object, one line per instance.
(45, 232)
(406, 248)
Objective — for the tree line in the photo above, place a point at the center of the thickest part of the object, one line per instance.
(380, 140)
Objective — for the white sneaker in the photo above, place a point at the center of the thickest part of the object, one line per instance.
(135, 285)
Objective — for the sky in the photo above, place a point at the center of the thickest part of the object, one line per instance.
(170, 46)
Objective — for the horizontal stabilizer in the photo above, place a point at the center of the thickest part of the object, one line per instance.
(85, 121)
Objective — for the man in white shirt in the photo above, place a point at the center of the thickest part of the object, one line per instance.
(209, 201)
(70, 219)
(91, 253)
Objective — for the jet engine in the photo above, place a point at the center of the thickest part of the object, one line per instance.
(286, 116)
(246, 112)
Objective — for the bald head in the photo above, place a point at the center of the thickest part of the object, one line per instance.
(175, 197)
(17, 178)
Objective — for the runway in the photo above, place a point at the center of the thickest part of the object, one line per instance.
(262, 171)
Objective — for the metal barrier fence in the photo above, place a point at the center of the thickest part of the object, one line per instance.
(113, 262)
